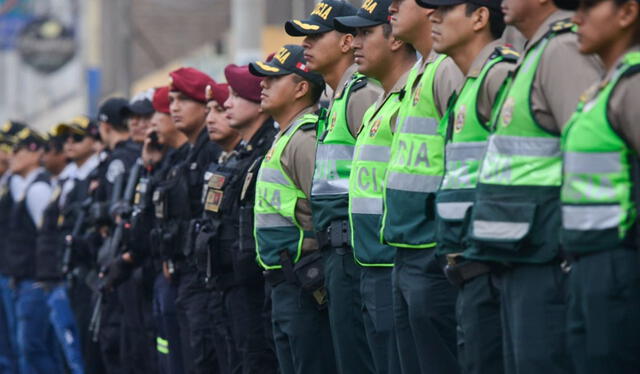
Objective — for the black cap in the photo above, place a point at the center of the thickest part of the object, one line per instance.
(11, 128)
(321, 18)
(492, 4)
(111, 112)
(81, 125)
(371, 13)
(29, 139)
(567, 4)
(288, 60)
(142, 107)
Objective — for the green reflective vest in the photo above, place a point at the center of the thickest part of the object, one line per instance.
(466, 144)
(516, 215)
(416, 167)
(598, 210)
(334, 154)
(366, 184)
(276, 228)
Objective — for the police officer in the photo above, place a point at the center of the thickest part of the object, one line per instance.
(381, 56)
(74, 260)
(516, 214)
(163, 148)
(138, 113)
(30, 193)
(177, 203)
(600, 194)
(285, 242)
(424, 301)
(329, 53)
(111, 179)
(8, 338)
(245, 299)
(485, 62)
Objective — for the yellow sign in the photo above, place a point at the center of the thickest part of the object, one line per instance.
(322, 10)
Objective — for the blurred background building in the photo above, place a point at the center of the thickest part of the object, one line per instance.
(60, 58)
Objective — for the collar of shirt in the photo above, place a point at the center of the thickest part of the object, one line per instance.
(303, 112)
(482, 57)
(344, 79)
(613, 69)
(397, 87)
(422, 62)
(83, 171)
(69, 171)
(19, 184)
(544, 28)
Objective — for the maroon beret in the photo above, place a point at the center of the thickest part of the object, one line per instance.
(191, 82)
(161, 100)
(218, 92)
(243, 82)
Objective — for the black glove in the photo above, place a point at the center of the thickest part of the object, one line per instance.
(116, 274)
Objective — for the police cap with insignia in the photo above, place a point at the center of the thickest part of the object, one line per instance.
(161, 100)
(190, 82)
(81, 126)
(218, 92)
(491, 4)
(28, 139)
(371, 13)
(140, 105)
(11, 128)
(245, 84)
(288, 60)
(567, 4)
(321, 18)
(111, 112)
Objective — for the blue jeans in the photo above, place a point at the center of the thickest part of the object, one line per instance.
(8, 350)
(44, 315)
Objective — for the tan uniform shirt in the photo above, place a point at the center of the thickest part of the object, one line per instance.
(562, 76)
(298, 161)
(623, 108)
(397, 87)
(359, 101)
(492, 82)
(448, 79)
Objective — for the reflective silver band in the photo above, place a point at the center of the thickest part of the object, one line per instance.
(592, 163)
(524, 146)
(366, 205)
(591, 217)
(420, 125)
(272, 220)
(413, 182)
(334, 152)
(500, 230)
(330, 187)
(458, 177)
(376, 153)
(465, 151)
(453, 210)
(270, 175)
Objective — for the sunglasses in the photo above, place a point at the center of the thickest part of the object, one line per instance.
(76, 138)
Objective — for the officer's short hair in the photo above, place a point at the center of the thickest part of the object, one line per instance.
(386, 32)
(496, 19)
(316, 90)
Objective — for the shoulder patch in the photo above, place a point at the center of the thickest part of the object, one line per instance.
(562, 26)
(507, 53)
(116, 167)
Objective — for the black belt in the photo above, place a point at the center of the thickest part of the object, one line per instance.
(459, 273)
(274, 277)
(337, 235)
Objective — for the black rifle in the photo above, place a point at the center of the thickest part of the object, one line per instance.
(69, 240)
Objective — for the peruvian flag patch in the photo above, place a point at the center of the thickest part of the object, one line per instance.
(302, 67)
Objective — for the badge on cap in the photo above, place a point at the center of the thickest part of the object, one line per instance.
(282, 55)
(322, 10)
(6, 127)
(369, 5)
(208, 93)
(302, 67)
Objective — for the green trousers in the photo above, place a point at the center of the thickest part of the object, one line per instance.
(604, 312)
(424, 310)
(377, 308)
(534, 315)
(479, 326)
(301, 332)
(342, 280)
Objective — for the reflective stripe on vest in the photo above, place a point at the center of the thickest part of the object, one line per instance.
(276, 228)
(596, 193)
(366, 184)
(416, 167)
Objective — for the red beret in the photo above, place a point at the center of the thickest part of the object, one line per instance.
(243, 82)
(218, 92)
(191, 82)
(161, 100)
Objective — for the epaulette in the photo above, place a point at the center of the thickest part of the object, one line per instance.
(360, 82)
(562, 26)
(507, 53)
(309, 126)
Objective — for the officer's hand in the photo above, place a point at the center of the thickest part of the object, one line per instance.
(118, 272)
(150, 154)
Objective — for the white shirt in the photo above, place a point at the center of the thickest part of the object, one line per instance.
(38, 194)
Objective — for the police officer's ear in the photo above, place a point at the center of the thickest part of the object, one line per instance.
(302, 87)
(345, 43)
(480, 18)
(629, 15)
